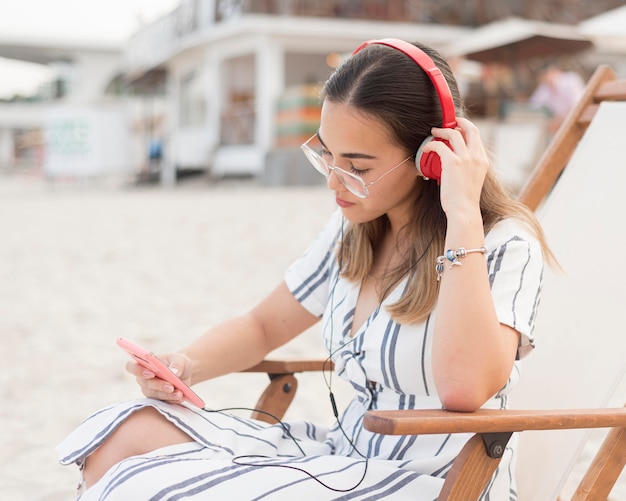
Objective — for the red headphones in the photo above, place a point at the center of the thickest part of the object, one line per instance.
(428, 164)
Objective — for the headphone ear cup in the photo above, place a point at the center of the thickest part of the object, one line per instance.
(428, 164)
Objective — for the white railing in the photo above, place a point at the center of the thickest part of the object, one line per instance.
(159, 40)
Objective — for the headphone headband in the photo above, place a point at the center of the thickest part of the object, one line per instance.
(424, 61)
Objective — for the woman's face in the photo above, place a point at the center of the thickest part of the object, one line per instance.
(358, 143)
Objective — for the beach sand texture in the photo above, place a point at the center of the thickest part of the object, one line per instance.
(81, 265)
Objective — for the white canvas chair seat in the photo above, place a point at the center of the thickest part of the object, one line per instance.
(580, 360)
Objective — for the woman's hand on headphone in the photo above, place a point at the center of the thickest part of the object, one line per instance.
(464, 165)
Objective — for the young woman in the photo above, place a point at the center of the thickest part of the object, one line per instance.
(426, 281)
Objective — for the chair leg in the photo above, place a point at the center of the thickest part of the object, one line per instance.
(276, 398)
(605, 468)
(470, 473)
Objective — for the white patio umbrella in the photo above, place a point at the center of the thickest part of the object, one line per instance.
(515, 39)
(607, 30)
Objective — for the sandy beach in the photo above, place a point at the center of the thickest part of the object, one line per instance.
(81, 265)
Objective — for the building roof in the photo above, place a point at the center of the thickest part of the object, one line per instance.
(44, 50)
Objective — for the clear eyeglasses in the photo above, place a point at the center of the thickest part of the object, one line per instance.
(352, 182)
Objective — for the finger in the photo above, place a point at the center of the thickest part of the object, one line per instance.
(179, 364)
(152, 386)
(454, 137)
(440, 148)
(167, 393)
(466, 125)
(159, 389)
(176, 365)
(470, 131)
(138, 371)
(164, 391)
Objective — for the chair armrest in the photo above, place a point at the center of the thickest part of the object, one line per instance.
(412, 422)
(492, 429)
(290, 366)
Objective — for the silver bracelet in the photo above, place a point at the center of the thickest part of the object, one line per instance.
(453, 256)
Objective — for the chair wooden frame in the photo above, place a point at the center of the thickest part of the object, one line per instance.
(492, 429)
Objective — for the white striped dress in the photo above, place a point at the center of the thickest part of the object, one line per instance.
(387, 364)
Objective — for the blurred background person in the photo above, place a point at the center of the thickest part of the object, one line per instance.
(557, 92)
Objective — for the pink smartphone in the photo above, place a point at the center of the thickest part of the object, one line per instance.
(151, 362)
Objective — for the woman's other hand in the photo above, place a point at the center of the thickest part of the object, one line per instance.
(155, 387)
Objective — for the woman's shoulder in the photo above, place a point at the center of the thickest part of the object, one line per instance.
(326, 239)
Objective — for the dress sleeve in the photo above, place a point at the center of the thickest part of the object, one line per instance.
(515, 267)
(309, 276)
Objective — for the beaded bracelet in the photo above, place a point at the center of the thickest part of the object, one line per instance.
(453, 256)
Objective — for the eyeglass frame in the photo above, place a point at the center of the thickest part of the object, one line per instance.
(318, 162)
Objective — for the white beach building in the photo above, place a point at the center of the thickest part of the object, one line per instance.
(79, 73)
(241, 78)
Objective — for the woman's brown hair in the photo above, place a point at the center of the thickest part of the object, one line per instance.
(387, 85)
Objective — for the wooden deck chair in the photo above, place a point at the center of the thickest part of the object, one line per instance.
(586, 332)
